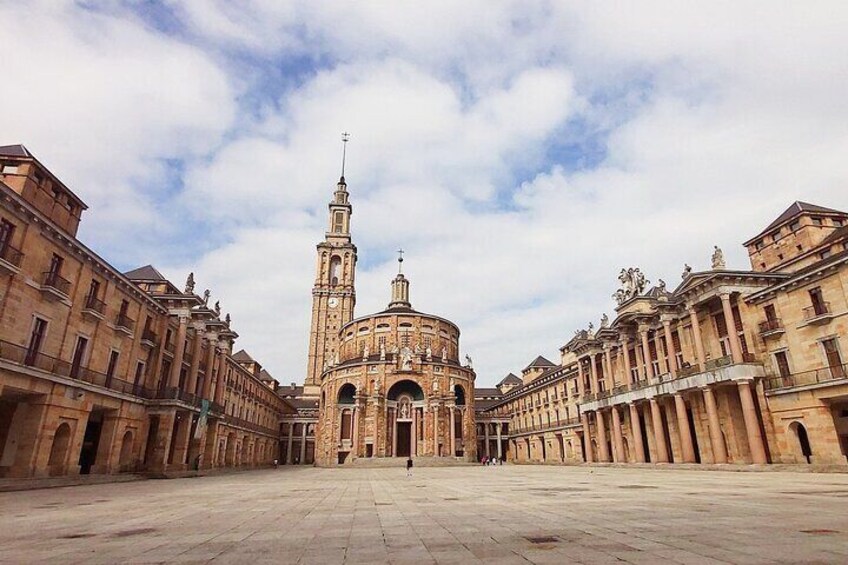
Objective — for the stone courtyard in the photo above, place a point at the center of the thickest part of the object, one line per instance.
(510, 514)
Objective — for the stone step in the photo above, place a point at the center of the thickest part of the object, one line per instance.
(381, 462)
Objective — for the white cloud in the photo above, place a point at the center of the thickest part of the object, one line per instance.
(711, 118)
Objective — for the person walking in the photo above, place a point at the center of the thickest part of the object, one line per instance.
(409, 467)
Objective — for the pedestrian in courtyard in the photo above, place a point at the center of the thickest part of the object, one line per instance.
(409, 467)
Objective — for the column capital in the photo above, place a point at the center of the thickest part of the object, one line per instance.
(724, 295)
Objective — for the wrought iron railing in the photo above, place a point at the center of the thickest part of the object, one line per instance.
(149, 335)
(55, 281)
(11, 255)
(806, 378)
(95, 305)
(768, 326)
(124, 321)
(817, 310)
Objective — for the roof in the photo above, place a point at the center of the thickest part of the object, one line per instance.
(290, 390)
(17, 150)
(146, 273)
(539, 362)
(481, 392)
(243, 357)
(510, 379)
(796, 209)
(266, 376)
(835, 235)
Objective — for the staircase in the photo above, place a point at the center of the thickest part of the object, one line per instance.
(400, 462)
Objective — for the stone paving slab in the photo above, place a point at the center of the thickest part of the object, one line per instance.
(509, 514)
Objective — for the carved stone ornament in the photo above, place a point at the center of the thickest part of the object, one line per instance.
(633, 283)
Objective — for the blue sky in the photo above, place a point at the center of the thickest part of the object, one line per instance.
(521, 152)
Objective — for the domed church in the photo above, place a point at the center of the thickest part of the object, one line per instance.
(390, 384)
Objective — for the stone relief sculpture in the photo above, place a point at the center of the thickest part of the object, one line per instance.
(633, 284)
(718, 258)
(189, 287)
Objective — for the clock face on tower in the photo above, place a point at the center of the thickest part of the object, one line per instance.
(333, 302)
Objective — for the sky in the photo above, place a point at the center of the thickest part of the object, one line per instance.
(521, 153)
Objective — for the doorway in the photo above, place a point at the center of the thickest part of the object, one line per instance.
(404, 439)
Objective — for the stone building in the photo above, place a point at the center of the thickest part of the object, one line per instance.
(731, 366)
(386, 385)
(107, 372)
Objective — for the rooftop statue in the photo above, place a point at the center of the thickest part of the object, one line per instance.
(633, 284)
(687, 270)
(718, 259)
(189, 287)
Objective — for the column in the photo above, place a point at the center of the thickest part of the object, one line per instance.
(414, 442)
(587, 438)
(303, 444)
(625, 353)
(659, 432)
(735, 344)
(716, 439)
(354, 448)
(177, 366)
(672, 354)
(603, 449)
(646, 354)
(581, 385)
(618, 441)
(696, 336)
(486, 436)
(593, 371)
(500, 450)
(221, 367)
(290, 442)
(608, 374)
(436, 430)
(636, 429)
(452, 431)
(210, 359)
(752, 424)
(191, 383)
(683, 429)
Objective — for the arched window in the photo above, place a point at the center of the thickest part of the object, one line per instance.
(338, 222)
(335, 270)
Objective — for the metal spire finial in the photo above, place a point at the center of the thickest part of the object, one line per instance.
(345, 139)
(400, 261)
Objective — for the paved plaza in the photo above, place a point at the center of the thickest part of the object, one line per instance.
(510, 514)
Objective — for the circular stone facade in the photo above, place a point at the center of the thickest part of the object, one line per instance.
(397, 389)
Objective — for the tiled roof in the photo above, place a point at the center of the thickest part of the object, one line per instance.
(17, 150)
(796, 209)
(266, 376)
(481, 392)
(146, 273)
(242, 357)
(539, 362)
(510, 379)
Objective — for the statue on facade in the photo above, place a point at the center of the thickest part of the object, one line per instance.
(687, 270)
(661, 285)
(591, 331)
(633, 284)
(468, 362)
(444, 354)
(428, 353)
(417, 349)
(404, 410)
(227, 319)
(376, 387)
(435, 386)
(365, 352)
(605, 321)
(337, 359)
(189, 287)
(382, 351)
(206, 294)
(406, 359)
(218, 308)
(718, 258)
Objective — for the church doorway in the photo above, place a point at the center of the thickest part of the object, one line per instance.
(404, 439)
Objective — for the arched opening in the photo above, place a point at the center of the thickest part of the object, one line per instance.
(59, 450)
(404, 418)
(335, 269)
(230, 457)
(346, 394)
(803, 440)
(459, 393)
(125, 460)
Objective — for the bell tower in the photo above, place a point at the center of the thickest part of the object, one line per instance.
(333, 294)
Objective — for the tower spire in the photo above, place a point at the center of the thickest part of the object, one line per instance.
(345, 139)
(400, 261)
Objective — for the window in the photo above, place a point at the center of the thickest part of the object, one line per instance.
(79, 356)
(782, 364)
(838, 222)
(777, 236)
(771, 313)
(335, 270)
(833, 358)
(9, 168)
(56, 263)
(139, 374)
(799, 247)
(113, 365)
(817, 300)
(780, 256)
(38, 177)
(36, 339)
(338, 222)
(6, 231)
(818, 221)
(759, 245)
(825, 254)
(794, 226)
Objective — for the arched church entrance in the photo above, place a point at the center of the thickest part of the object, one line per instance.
(405, 404)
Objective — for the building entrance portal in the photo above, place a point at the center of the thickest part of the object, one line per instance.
(404, 439)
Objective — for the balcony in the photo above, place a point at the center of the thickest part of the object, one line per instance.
(54, 287)
(818, 314)
(10, 260)
(148, 339)
(21, 356)
(769, 328)
(125, 324)
(94, 308)
(833, 375)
